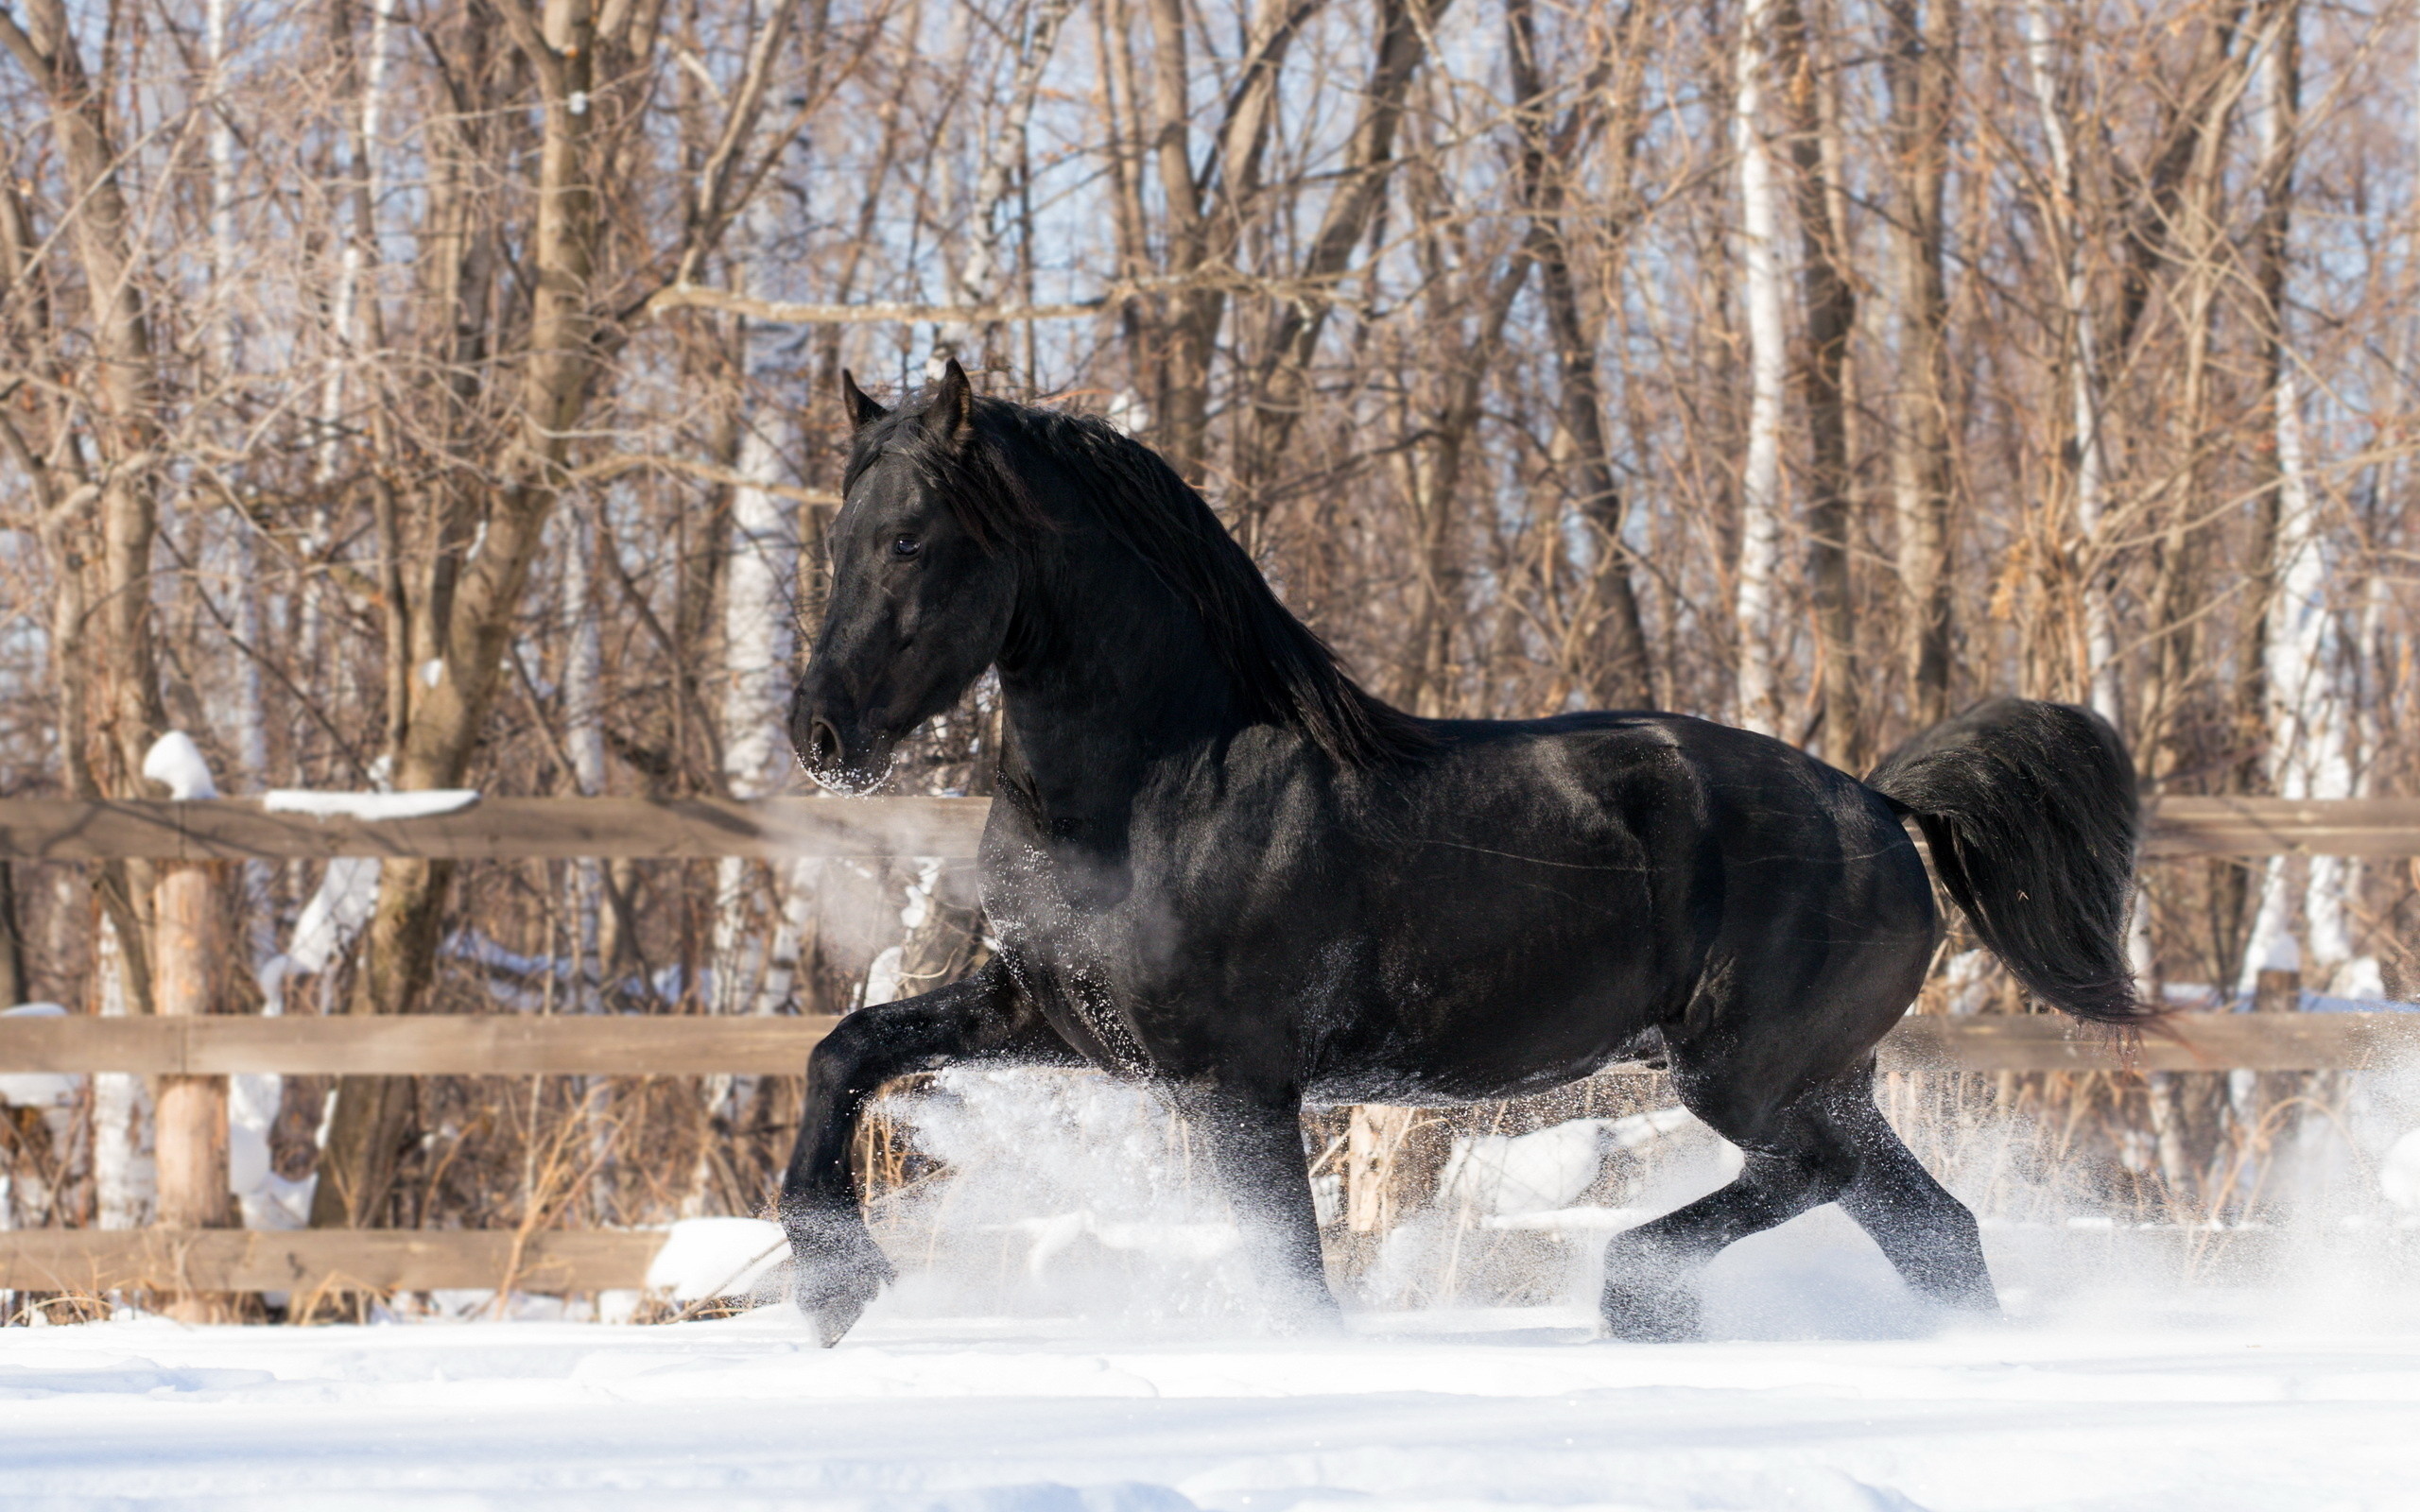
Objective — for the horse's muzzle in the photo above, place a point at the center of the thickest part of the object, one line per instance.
(830, 757)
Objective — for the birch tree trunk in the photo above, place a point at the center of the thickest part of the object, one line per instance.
(584, 732)
(1829, 290)
(759, 582)
(981, 275)
(124, 1177)
(1756, 612)
(105, 663)
(2310, 720)
(2100, 648)
(252, 1100)
(1624, 677)
(584, 744)
(1920, 65)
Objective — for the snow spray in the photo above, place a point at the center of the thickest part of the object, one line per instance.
(1055, 1194)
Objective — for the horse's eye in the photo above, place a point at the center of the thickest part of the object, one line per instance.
(905, 546)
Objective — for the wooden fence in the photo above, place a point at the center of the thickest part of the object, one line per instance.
(694, 1045)
(230, 830)
(692, 829)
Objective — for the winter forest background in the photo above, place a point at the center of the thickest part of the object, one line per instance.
(437, 393)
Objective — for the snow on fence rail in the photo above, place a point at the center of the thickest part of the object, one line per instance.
(679, 829)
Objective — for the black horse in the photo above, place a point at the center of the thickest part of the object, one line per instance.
(1217, 865)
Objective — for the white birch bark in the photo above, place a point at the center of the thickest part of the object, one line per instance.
(251, 1099)
(343, 316)
(979, 275)
(2083, 369)
(759, 619)
(124, 1184)
(583, 731)
(349, 261)
(758, 608)
(759, 611)
(1755, 614)
(585, 743)
(220, 144)
(2311, 721)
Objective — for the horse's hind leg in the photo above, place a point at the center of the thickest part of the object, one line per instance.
(1928, 1235)
(1795, 1163)
(838, 1269)
(1831, 1144)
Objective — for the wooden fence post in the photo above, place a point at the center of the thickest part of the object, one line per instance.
(190, 1128)
(1372, 1147)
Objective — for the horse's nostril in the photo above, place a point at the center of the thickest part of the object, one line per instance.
(823, 744)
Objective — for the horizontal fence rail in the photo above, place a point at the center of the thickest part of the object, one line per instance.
(419, 1045)
(691, 1045)
(2380, 827)
(100, 1261)
(495, 828)
(572, 1261)
(2183, 1041)
(684, 829)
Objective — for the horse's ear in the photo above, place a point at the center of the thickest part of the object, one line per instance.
(953, 407)
(862, 410)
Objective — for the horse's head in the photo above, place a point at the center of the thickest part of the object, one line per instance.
(921, 595)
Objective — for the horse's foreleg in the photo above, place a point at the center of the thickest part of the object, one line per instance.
(838, 1266)
(1255, 1142)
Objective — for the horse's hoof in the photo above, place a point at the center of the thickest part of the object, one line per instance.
(835, 1271)
(834, 1301)
(1306, 1316)
(832, 1324)
(1651, 1315)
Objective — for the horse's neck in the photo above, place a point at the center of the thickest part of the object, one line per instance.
(1123, 681)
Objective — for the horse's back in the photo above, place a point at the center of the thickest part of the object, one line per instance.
(1520, 906)
(1552, 890)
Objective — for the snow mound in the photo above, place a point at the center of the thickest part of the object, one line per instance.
(177, 764)
(38, 1088)
(717, 1257)
(347, 896)
(1500, 1175)
(2399, 1172)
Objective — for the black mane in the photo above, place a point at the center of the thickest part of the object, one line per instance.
(1282, 671)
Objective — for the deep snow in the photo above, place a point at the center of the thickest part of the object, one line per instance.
(2137, 1399)
(1071, 1332)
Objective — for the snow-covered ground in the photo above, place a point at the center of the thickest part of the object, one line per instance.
(2114, 1398)
(1072, 1332)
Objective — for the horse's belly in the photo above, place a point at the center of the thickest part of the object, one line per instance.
(1502, 1039)
(1459, 981)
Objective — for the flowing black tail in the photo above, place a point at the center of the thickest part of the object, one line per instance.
(2031, 814)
